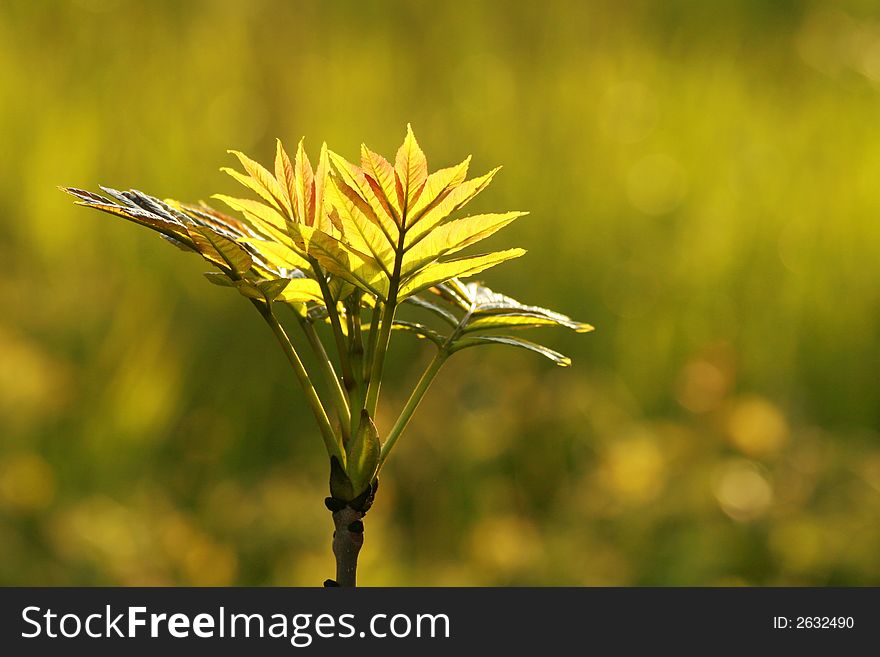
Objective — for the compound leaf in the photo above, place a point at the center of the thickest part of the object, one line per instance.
(555, 356)
(459, 267)
(454, 236)
(411, 169)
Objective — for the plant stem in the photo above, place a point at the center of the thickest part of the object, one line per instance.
(412, 403)
(375, 380)
(378, 364)
(372, 340)
(331, 441)
(347, 544)
(339, 399)
(355, 355)
(333, 313)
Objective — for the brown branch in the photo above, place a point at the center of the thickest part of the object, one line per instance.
(347, 542)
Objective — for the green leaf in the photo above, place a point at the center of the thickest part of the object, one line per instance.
(340, 260)
(441, 312)
(457, 198)
(359, 231)
(555, 356)
(262, 217)
(278, 254)
(322, 175)
(262, 182)
(272, 288)
(454, 292)
(380, 174)
(363, 454)
(304, 179)
(219, 278)
(517, 320)
(437, 186)
(340, 484)
(300, 290)
(285, 176)
(249, 289)
(204, 215)
(411, 168)
(352, 183)
(167, 225)
(220, 250)
(452, 237)
(459, 267)
(420, 330)
(493, 310)
(413, 217)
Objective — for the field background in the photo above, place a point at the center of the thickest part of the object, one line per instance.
(704, 187)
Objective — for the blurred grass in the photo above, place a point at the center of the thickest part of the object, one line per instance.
(702, 181)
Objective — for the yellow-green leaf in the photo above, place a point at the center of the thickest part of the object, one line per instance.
(278, 254)
(305, 181)
(358, 189)
(523, 319)
(363, 454)
(216, 221)
(322, 174)
(486, 306)
(454, 200)
(340, 484)
(221, 251)
(420, 330)
(273, 287)
(219, 278)
(301, 290)
(454, 236)
(555, 356)
(340, 260)
(381, 172)
(170, 228)
(456, 268)
(284, 175)
(361, 233)
(249, 289)
(411, 168)
(437, 184)
(264, 183)
(257, 213)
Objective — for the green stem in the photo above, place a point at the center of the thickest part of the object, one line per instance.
(376, 367)
(373, 339)
(333, 313)
(339, 399)
(412, 403)
(378, 363)
(331, 441)
(356, 355)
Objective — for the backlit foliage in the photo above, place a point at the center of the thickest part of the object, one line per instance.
(345, 244)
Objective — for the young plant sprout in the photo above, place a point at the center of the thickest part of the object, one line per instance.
(345, 245)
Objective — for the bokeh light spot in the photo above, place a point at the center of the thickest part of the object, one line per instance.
(742, 491)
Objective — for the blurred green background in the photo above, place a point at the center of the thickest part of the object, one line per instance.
(704, 187)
